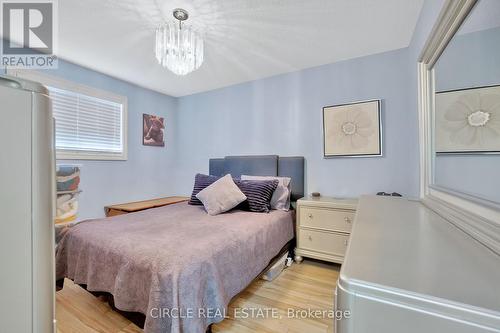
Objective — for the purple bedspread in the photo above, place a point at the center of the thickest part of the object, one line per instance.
(173, 261)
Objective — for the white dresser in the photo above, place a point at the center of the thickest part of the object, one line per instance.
(409, 270)
(323, 227)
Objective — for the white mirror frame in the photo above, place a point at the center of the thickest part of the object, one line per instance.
(477, 217)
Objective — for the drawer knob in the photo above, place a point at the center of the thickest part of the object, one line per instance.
(310, 215)
(345, 242)
(347, 220)
(310, 238)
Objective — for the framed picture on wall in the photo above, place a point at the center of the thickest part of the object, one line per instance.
(352, 130)
(467, 121)
(153, 130)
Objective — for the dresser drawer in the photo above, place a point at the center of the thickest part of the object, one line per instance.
(325, 242)
(324, 218)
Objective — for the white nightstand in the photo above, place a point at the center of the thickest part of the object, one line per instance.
(323, 227)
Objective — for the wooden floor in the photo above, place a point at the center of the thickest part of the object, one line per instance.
(309, 285)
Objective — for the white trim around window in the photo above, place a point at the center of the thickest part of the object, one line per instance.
(92, 93)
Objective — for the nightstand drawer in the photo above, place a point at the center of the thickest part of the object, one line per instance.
(329, 243)
(329, 219)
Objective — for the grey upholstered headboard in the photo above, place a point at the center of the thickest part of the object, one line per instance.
(263, 165)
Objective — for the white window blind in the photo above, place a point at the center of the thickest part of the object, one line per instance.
(86, 125)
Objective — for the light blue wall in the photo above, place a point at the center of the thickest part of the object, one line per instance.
(470, 60)
(148, 172)
(278, 115)
(283, 115)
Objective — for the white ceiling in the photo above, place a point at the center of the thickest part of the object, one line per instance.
(244, 39)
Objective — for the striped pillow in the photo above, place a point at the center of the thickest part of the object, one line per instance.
(258, 193)
(200, 182)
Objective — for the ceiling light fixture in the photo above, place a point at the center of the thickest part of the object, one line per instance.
(178, 47)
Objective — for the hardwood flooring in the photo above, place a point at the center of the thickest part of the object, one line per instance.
(309, 285)
(78, 311)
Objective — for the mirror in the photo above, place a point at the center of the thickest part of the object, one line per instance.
(466, 125)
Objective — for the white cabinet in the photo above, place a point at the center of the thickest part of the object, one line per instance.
(323, 228)
(26, 198)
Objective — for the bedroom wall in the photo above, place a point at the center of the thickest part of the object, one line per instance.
(148, 172)
(283, 115)
(278, 115)
(470, 60)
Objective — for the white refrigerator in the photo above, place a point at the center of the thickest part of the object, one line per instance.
(27, 190)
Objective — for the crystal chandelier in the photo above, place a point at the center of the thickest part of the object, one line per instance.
(179, 48)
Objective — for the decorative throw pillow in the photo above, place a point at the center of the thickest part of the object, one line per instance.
(258, 193)
(221, 196)
(200, 182)
(281, 196)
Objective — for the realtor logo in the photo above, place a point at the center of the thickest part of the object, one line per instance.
(28, 34)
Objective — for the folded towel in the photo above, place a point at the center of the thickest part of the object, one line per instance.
(67, 180)
(66, 207)
(69, 185)
(64, 178)
(67, 170)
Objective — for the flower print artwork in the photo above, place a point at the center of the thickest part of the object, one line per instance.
(352, 130)
(468, 121)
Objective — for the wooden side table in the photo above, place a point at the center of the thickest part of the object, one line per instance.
(136, 206)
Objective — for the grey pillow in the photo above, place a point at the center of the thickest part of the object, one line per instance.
(281, 196)
(221, 196)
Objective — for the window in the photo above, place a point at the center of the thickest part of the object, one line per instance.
(89, 123)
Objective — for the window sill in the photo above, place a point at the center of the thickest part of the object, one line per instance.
(90, 156)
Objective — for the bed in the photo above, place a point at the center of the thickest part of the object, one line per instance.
(177, 265)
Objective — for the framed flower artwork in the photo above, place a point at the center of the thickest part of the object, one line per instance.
(468, 121)
(352, 130)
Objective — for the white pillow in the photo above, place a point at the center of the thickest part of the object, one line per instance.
(281, 196)
(221, 196)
